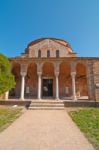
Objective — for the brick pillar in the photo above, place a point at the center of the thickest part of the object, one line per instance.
(90, 81)
(96, 79)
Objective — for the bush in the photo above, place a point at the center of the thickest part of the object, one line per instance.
(6, 78)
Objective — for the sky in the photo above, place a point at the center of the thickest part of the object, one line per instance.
(76, 21)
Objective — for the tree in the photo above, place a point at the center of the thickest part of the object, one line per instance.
(6, 78)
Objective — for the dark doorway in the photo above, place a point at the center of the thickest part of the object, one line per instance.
(47, 88)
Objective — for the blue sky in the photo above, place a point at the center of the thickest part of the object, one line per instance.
(76, 21)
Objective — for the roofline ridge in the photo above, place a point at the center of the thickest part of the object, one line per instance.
(43, 38)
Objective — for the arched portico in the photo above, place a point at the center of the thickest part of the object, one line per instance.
(31, 80)
(65, 82)
(81, 81)
(15, 92)
(49, 79)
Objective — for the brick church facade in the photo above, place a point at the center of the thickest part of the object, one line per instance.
(49, 69)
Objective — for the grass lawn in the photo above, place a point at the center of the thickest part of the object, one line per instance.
(88, 122)
(7, 116)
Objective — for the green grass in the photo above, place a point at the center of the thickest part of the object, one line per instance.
(7, 116)
(88, 122)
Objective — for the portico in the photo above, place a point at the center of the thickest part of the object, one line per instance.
(46, 79)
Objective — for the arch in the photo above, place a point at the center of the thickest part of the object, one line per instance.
(39, 53)
(46, 62)
(48, 69)
(15, 92)
(48, 76)
(31, 81)
(65, 83)
(81, 80)
(16, 69)
(57, 53)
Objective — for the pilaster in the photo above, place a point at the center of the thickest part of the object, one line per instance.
(90, 81)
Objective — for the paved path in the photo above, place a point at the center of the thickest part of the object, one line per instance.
(43, 130)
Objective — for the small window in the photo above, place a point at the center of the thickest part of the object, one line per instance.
(48, 53)
(57, 53)
(39, 53)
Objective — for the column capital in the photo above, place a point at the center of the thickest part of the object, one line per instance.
(39, 66)
(39, 73)
(56, 73)
(23, 74)
(73, 66)
(57, 66)
(73, 73)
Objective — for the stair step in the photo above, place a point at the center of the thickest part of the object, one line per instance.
(47, 102)
(46, 105)
(46, 108)
(52, 105)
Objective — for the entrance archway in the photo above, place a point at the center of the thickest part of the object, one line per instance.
(48, 80)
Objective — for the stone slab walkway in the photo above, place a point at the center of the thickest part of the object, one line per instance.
(43, 130)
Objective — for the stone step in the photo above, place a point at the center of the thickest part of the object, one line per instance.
(46, 108)
(48, 105)
(52, 102)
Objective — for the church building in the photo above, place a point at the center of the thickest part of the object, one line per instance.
(50, 69)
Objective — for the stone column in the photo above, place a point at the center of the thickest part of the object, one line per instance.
(23, 74)
(57, 85)
(7, 95)
(39, 84)
(73, 74)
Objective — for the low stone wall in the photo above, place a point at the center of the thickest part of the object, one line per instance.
(15, 102)
(81, 104)
(26, 103)
(2, 97)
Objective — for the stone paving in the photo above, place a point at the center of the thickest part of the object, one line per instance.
(43, 130)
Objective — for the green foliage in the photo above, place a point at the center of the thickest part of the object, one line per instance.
(88, 121)
(6, 78)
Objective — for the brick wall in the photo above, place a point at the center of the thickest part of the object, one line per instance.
(96, 79)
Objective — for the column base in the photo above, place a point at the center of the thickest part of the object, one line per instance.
(39, 99)
(74, 98)
(22, 99)
(57, 99)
